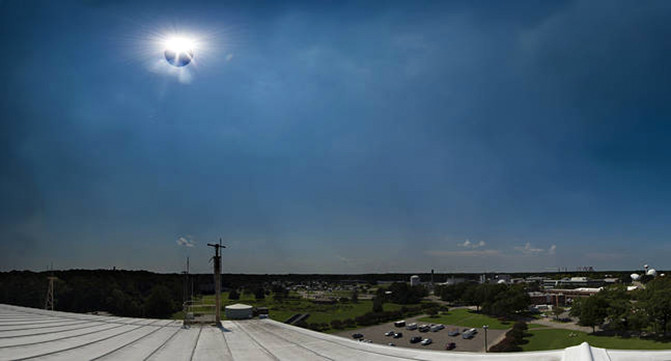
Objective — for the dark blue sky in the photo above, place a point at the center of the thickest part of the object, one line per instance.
(337, 136)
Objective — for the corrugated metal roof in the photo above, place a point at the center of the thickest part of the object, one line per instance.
(27, 334)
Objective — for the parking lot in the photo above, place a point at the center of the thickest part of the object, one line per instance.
(440, 338)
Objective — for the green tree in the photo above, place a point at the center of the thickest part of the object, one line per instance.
(656, 302)
(355, 296)
(475, 296)
(557, 311)
(259, 293)
(620, 308)
(377, 304)
(504, 299)
(234, 295)
(159, 304)
(452, 293)
(404, 294)
(591, 311)
(279, 292)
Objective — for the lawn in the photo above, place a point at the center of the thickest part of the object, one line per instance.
(467, 318)
(282, 310)
(551, 339)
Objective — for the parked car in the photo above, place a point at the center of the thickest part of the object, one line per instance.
(469, 333)
(423, 328)
(391, 344)
(399, 323)
(450, 346)
(389, 333)
(411, 326)
(415, 339)
(357, 335)
(426, 341)
(436, 328)
(453, 332)
(398, 335)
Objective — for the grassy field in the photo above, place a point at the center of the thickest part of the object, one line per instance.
(467, 318)
(550, 339)
(282, 310)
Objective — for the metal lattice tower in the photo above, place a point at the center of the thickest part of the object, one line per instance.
(49, 303)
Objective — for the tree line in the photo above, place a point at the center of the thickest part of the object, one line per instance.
(122, 293)
(492, 299)
(623, 312)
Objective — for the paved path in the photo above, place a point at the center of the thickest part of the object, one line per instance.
(563, 325)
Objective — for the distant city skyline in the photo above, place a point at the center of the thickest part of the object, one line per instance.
(337, 137)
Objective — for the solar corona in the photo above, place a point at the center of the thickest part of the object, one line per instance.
(179, 51)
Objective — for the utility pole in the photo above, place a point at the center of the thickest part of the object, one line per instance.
(185, 291)
(217, 278)
(485, 327)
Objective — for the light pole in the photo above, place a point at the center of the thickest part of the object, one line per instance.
(485, 327)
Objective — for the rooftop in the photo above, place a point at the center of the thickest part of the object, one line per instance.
(27, 333)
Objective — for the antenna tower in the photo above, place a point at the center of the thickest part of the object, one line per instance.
(49, 303)
(217, 278)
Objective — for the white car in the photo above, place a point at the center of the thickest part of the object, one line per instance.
(469, 333)
(426, 341)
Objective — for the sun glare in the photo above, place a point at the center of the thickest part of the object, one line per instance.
(179, 50)
(179, 44)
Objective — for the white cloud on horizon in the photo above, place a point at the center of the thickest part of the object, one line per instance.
(469, 253)
(468, 244)
(528, 249)
(186, 241)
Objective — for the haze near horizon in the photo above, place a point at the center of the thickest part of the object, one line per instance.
(336, 137)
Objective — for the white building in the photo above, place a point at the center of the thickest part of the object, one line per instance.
(414, 280)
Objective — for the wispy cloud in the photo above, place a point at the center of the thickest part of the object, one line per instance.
(468, 244)
(186, 241)
(469, 253)
(552, 249)
(528, 249)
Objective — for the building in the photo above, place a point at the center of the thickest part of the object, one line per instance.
(414, 280)
(547, 298)
(501, 279)
(573, 282)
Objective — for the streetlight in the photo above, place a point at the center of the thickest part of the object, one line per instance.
(485, 327)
